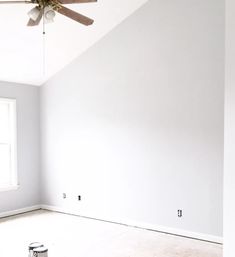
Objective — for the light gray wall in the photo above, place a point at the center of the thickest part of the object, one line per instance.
(229, 150)
(135, 125)
(27, 100)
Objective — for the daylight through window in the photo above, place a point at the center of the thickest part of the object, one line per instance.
(8, 160)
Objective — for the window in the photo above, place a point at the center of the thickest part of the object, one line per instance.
(8, 160)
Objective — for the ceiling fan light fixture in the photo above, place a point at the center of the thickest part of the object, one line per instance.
(49, 14)
(34, 13)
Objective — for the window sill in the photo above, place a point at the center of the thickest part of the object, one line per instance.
(9, 188)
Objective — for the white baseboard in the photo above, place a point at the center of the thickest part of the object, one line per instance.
(162, 229)
(19, 211)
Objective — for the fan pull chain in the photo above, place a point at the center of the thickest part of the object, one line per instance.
(44, 44)
(43, 18)
(44, 53)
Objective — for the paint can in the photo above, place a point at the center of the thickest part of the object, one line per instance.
(40, 252)
(32, 246)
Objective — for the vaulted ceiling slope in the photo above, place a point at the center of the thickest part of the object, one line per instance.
(26, 58)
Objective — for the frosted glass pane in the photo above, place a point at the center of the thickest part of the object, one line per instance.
(5, 165)
(4, 122)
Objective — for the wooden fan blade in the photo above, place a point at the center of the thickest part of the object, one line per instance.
(32, 23)
(76, 1)
(75, 16)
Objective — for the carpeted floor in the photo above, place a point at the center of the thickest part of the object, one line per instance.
(71, 236)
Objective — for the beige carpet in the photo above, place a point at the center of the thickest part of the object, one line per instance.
(70, 236)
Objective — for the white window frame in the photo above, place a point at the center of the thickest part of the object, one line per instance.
(13, 145)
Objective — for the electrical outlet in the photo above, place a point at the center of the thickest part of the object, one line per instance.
(79, 198)
(64, 195)
(180, 213)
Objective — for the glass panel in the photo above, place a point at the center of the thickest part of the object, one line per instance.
(5, 174)
(4, 123)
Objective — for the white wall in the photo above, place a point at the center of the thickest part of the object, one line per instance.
(27, 100)
(229, 171)
(135, 125)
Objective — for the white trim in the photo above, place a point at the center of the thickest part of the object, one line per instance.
(163, 229)
(9, 188)
(14, 131)
(19, 211)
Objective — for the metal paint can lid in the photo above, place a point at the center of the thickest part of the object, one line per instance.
(40, 250)
(35, 245)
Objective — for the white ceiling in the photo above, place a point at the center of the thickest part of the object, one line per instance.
(21, 47)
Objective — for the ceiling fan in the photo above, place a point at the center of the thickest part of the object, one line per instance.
(47, 9)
